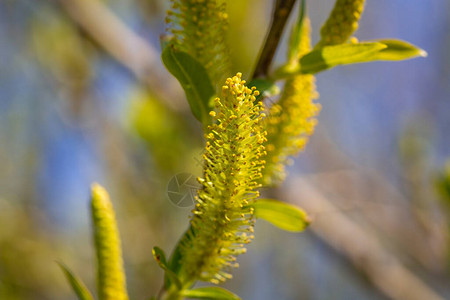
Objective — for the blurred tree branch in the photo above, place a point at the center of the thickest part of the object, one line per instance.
(380, 202)
(361, 246)
(141, 58)
(280, 16)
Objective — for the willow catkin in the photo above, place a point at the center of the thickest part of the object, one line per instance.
(342, 22)
(111, 276)
(222, 222)
(292, 119)
(199, 28)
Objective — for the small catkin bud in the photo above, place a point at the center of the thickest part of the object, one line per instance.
(199, 29)
(342, 22)
(111, 277)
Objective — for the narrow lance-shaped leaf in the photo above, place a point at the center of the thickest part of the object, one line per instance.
(398, 50)
(160, 257)
(443, 184)
(296, 35)
(283, 215)
(193, 79)
(111, 276)
(77, 285)
(331, 56)
(210, 293)
(175, 261)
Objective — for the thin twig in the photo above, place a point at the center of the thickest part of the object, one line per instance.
(280, 16)
(132, 51)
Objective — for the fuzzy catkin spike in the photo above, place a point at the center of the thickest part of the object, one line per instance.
(342, 22)
(199, 28)
(292, 119)
(221, 222)
(111, 276)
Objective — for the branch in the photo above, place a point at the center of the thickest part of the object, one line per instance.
(280, 16)
(383, 269)
(132, 51)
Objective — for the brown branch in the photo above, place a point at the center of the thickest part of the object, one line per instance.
(360, 245)
(280, 16)
(132, 51)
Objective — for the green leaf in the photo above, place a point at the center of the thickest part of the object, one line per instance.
(77, 285)
(160, 257)
(328, 57)
(442, 182)
(212, 292)
(344, 54)
(296, 36)
(266, 87)
(194, 80)
(398, 50)
(175, 259)
(175, 262)
(283, 215)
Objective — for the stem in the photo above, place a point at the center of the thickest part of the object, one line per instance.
(281, 13)
(171, 294)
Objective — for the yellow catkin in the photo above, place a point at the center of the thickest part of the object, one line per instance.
(292, 119)
(111, 276)
(342, 22)
(199, 27)
(222, 222)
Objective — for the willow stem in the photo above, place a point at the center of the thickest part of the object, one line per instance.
(280, 16)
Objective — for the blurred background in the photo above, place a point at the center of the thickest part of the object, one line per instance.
(84, 98)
